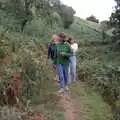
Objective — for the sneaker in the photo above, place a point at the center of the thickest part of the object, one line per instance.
(56, 78)
(69, 82)
(67, 88)
(75, 81)
(61, 91)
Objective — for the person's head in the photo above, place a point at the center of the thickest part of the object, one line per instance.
(71, 40)
(62, 36)
(55, 39)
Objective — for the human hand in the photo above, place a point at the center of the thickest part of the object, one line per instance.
(62, 53)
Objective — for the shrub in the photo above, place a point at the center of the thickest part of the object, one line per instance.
(93, 19)
(7, 113)
(35, 76)
(67, 15)
(2, 53)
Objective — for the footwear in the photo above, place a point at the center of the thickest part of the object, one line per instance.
(61, 91)
(74, 80)
(67, 88)
(56, 78)
(69, 82)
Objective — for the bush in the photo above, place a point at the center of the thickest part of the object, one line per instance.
(93, 19)
(9, 114)
(67, 15)
(2, 53)
(9, 22)
(35, 76)
(104, 79)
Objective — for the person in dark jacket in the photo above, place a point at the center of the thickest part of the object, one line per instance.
(51, 47)
(51, 52)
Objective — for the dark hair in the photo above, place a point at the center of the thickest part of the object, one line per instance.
(62, 35)
(69, 39)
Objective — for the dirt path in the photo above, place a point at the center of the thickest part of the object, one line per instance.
(35, 118)
(69, 106)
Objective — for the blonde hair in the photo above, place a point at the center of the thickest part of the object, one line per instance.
(54, 36)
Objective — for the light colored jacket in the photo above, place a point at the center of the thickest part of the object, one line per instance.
(74, 48)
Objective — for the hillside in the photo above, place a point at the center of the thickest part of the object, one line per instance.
(25, 53)
(94, 26)
(85, 30)
(98, 63)
(28, 54)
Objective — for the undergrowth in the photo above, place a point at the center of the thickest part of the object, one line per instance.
(2, 53)
(99, 68)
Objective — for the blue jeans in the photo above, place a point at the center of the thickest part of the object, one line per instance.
(62, 71)
(72, 69)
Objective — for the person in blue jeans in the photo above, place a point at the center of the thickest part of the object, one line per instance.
(61, 59)
(73, 60)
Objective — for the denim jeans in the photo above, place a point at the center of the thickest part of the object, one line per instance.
(72, 69)
(62, 71)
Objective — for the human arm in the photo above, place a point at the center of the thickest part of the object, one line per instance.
(67, 52)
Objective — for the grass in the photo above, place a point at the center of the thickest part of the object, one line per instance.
(46, 103)
(49, 106)
(43, 100)
(81, 30)
(50, 112)
(2, 53)
(93, 107)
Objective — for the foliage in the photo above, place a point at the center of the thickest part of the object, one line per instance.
(115, 16)
(105, 25)
(29, 57)
(98, 65)
(2, 53)
(92, 18)
(67, 14)
(115, 22)
(103, 35)
(9, 114)
(83, 31)
(17, 14)
(90, 102)
(29, 52)
(98, 71)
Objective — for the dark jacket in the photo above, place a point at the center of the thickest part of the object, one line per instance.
(51, 51)
(62, 53)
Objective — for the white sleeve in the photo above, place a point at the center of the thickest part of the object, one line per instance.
(74, 47)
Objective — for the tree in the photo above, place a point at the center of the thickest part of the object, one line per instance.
(19, 10)
(22, 12)
(67, 15)
(115, 16)
(115, 20)
(92, 18)
(105, 25)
